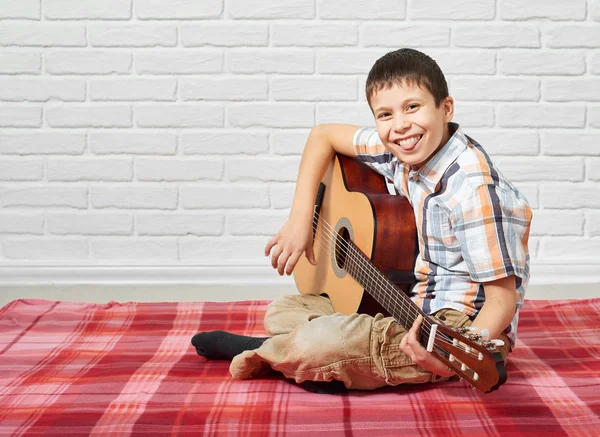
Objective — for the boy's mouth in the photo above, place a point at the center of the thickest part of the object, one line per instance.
(410, 143)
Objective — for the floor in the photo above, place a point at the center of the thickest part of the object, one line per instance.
(202, 292)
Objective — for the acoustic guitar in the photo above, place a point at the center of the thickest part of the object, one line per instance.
(365, 247)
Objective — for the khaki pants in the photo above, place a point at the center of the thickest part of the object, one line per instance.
(309, 341)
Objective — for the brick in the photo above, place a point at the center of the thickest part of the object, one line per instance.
(569, 248)
(595, 10)
(133, 89)
(321, 34)
(149, 196)
(225, 34)
(19, 62)
(88, 116)
(352, 113)
(134, 249)
(225, 142)
(541, 115)
(456, 61)
(539, 9)
(216, 196)
(20, 116)
(178, 9)
(593, 115)
(474, 115)
(289, 141)
(179, 115)
(474, 88)
(187, 169)
(511, 142)
(222, 250)
(554, 222)
(282, 61)
(128, 35)
(90, 223)
(180, 223)
(89, 169)
(281, 194)
(542, 169)
(132, 143)
(42, 35)
(361, 9)
(270, 10)
(496, 35)
(456, 10)
(595, 64)
(255, 222)
(593, 223)
(413, 35)
(21, 223)
(344, 61)
(570, 90)
(315, 89)
(87, 9)
(189, 61)
(43, 249)
(228, 88)
(41, 142)
(271, 115)
(90, 61)
(44, 196)
(580, 35)
(41, 90)
(581, 195)
(536, 62)
(21, 169)
(593, 169)
(569, 143)
(263, 169)
(25, 9)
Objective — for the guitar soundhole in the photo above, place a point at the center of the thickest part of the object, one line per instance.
(341, 246)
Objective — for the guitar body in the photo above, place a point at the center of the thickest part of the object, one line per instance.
(357, 204)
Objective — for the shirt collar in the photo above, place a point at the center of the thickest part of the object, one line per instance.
(433, 170)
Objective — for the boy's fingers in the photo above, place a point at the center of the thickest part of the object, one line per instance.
(292, 263)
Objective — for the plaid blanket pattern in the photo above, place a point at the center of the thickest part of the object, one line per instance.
(74, 368)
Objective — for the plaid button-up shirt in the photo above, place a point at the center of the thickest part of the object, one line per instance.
(472, 223)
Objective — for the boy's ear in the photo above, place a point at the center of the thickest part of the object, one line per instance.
(448, 105)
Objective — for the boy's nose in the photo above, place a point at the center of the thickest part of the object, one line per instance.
(401, 124)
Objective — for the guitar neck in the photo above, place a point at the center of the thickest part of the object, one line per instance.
(396, 302)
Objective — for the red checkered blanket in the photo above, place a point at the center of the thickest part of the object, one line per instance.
(73, 368)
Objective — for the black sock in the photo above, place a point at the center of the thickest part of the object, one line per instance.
(221, 345)
(324, 387)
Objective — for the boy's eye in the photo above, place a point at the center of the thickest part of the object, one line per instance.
(412, 107)
(384, 114)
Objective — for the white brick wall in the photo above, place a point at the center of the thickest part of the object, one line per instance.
(170, 131)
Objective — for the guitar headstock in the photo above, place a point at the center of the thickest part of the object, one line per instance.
(471, 357)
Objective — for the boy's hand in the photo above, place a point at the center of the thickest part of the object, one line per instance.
(290, 243)
(418, 354)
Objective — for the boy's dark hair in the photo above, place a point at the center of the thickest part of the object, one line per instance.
(408, 66)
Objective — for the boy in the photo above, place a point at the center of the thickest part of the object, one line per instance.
(472, 225)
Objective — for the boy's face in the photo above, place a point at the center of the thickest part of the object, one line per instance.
(409, 124)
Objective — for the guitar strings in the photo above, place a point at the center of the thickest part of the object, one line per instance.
(381, 280)
(442, 336)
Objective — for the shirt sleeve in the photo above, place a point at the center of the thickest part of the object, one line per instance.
(492, 227)
(370, 150)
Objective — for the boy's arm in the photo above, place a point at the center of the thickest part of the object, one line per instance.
(295, 236)
(496, 314)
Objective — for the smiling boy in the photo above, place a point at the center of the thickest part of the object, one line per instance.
(472, 226)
